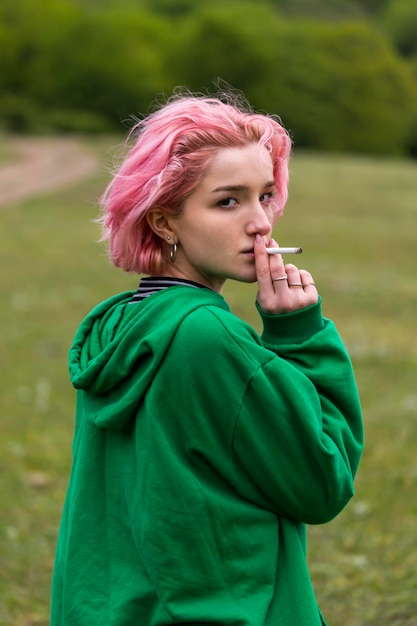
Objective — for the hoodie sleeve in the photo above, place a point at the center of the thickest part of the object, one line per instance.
(298, 436)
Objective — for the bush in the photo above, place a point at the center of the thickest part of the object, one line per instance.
(342, 87)
(18, 114)
(115, 67)
(74, 121)
(400, 22)
(336, 86)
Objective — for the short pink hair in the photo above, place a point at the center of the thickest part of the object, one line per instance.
(169, 157)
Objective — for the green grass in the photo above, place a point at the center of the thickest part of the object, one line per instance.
(356, 220)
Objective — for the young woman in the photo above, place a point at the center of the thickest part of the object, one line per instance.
(201, 449)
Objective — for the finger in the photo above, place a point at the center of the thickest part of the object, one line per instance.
(294, 279)
(277, 267)
(301, 285)
(309, 287)
(267, 270)
(307, 280)
(262, 266)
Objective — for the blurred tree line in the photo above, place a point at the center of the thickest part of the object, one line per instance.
(342, 74)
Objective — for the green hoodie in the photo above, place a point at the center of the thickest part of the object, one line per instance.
(200, 452)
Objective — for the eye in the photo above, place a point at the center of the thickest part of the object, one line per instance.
(228, 203)
(268, 197)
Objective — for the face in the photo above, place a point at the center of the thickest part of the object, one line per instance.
(216, 229)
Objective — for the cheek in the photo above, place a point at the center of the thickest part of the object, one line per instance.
(272, 214)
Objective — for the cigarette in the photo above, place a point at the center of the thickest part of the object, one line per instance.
(284, 250)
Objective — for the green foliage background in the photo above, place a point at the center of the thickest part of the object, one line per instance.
(342, 74)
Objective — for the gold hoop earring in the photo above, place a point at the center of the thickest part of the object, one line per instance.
(173, 253)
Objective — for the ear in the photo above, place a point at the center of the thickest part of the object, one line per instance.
(159, 221)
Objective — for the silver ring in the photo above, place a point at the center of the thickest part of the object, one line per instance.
(280, 278)
(296, 285)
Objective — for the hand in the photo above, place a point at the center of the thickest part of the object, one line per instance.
(295, 288)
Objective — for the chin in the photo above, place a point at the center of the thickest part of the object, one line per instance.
(246, 279)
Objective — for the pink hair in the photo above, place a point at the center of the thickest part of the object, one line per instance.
(172, 149)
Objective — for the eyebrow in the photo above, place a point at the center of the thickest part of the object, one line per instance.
(240, 187)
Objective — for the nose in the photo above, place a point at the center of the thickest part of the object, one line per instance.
(260, 220)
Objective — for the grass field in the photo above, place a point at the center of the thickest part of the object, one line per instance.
(356, 219)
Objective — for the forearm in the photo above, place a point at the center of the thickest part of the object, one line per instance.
(310, 406)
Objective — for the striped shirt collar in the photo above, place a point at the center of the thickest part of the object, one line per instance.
(152, 284)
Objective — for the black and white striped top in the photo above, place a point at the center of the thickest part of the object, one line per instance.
(149, 285)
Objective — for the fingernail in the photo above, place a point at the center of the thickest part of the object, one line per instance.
(258, 238)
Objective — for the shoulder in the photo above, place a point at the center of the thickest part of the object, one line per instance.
(214, 331)
(212, 317)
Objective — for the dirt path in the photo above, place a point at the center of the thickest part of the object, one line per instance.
(43, 165)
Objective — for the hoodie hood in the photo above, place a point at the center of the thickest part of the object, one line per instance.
(119, 345)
